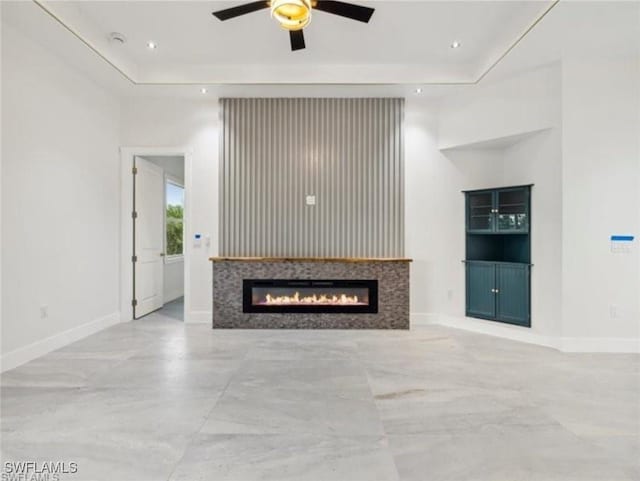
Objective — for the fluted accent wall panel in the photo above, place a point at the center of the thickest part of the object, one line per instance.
(348, 153)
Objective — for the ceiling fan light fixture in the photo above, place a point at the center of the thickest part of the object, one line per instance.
(291, 14)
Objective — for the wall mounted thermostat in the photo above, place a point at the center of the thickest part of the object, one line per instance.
(621, 244)
(197, 240)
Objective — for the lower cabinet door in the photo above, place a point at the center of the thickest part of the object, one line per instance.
(512, 298)
(481, 298)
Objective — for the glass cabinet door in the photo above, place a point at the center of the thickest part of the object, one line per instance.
(480, 212)
(512, 212)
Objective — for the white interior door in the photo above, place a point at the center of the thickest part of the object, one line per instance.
(149, 237)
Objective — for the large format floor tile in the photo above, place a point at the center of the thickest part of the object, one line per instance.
(302, 457)
(504, 453)
(156, 399)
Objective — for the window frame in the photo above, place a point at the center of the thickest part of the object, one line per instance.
(171, 259)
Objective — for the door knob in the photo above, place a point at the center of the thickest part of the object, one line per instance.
(162, 254)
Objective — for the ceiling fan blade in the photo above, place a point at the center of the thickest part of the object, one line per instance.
(349, 10)
(297, 39)
(233, 12)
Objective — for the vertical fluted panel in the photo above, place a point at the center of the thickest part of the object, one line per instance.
(349, 153)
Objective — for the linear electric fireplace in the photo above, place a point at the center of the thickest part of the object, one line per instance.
(308, 296)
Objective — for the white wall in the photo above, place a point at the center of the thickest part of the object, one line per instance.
(435, 204)
(601, 197)
(586, 171)
(173, 271)
(426, 175)
(434, 213)
(433, 200)
(162, 122)
(537, 160)
(491, 110)
(59, 201)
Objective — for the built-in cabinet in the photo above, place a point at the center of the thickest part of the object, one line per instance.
(498, 211)
(498, 254)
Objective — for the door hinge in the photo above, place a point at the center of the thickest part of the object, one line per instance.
(134, 170)
(134, 258)
(134, 302)
(134, 215)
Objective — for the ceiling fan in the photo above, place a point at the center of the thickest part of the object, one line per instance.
(295, 15)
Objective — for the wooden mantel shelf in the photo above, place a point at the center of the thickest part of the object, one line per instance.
(310, 259)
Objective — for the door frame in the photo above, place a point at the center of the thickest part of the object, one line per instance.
(127, 155)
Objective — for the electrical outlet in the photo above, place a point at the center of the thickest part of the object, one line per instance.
(311, 200)
(44, 312)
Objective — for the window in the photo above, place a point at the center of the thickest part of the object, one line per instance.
(174, 218)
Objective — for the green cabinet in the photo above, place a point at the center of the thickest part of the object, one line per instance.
(512, 210)
(498, 291)
(498, 210)
(498, 254)
(512, 293)
(481, 281)
(480, 212)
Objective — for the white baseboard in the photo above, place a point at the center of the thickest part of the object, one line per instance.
(198, 317)
(39, 348)
(599, 344)
(172, 296)
(492, 328)
(422, 318)
(524, 334)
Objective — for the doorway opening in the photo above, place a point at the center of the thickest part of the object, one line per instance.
(158, 236)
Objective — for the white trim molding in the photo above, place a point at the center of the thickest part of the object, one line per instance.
(198, 317)
(256, 74)
(524, 334)
(492, 328)
(422, 318)
(600, 344)
(39, 348)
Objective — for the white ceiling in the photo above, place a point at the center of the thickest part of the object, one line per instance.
(405, 41)
(195, 49)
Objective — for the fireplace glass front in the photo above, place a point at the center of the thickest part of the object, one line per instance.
(321, 296)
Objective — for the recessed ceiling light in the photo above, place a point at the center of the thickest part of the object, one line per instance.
(152, 45)
(418, 90)
(203, 90)
(456, 44)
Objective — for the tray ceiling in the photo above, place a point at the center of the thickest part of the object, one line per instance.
(405, 42)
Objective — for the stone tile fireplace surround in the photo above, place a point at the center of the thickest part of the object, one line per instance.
(391, 274)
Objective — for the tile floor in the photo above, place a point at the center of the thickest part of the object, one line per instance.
(159, 400)
(173, 309)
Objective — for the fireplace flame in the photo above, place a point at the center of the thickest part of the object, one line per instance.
(296, 299)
